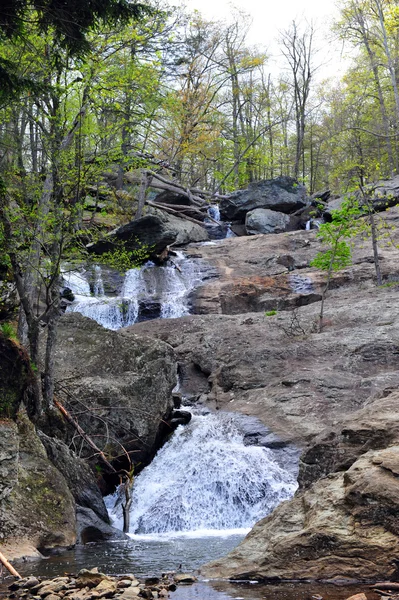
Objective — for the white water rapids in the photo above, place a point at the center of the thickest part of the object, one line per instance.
(206, 480)
(164, 289)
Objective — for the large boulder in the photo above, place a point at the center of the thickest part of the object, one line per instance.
(371, 428)
(185, 231)
(283, 194)
(264, 220)
(79, 476)
(37, 508)
(382, 195)
(153, 232)
(118, 388)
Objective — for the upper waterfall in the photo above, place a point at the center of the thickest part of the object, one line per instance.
(147, 292)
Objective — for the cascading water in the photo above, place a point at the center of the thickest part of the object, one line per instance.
(206, 478)
(150, 291)
(217, 229)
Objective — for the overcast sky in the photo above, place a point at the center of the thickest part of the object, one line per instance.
(271, 16)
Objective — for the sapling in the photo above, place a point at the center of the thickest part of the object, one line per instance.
(336, 254)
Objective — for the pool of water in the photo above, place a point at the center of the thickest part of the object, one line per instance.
(150, 556)
(142, 555)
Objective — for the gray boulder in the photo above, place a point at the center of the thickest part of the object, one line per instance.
(80, 478)
(156, 230)
(119, 388)
(185, 231)
(264, 220)
(90, 528)
(282, 194)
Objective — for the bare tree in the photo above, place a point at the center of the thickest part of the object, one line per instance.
(297, 48)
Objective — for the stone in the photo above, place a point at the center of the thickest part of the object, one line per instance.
(106, 588)
(80, 478)
(91, 578)
(51, 588)
(282, 194)
(116, 379)
(92, 528)
(264, 220)
(29, 582)
(130, 593)
(358, 597)
(155, 231)
(335, 449)
(329, 531)
(124, 583)
(185, 578)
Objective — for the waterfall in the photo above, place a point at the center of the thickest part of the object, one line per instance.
(148, 292)
(206, 478)
(308, 225)
(214, 212)
(219, 230)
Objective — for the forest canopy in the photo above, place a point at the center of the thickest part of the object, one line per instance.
(109, 89)
(70, 22)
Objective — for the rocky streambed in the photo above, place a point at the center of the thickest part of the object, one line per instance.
(252, 348)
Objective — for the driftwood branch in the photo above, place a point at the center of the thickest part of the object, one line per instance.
(83, 434)
(9, 566)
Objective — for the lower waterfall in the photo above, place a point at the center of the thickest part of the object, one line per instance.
(206, 479)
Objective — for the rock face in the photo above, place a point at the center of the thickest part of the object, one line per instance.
(264, 220)
(15, 376)
(344, 525)
(8, 298)
(282, 194)
(79, 476)
(119, 388)
(331, 392)
(156, 230)
(37, 508)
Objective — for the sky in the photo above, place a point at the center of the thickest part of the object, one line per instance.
(272, 16)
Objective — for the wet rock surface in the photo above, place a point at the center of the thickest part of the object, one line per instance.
(333, 392)
(342, 526)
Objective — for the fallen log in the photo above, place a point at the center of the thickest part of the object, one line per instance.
(9, 566)
(174, 212)
(182, 208)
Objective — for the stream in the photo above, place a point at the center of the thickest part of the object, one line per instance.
(213, 479)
